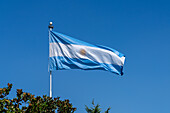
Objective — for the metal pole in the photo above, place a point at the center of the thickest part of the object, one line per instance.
(50, 29)
(50, 84)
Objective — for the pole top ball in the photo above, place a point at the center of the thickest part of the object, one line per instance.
(51, 26)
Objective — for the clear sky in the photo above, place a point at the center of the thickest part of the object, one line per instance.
(140, 29)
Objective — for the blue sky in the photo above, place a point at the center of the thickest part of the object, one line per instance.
(139, 29)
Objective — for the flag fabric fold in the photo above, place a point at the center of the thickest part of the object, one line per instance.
(66, 52)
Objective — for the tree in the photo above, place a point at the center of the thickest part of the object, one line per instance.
(26, 103)
(95, 109)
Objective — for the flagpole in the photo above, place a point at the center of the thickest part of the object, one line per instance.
(50, 29)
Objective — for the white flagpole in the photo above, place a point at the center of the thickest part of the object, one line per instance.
(50, 29)
(50, 84)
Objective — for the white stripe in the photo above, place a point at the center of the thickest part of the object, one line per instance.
(92, 53)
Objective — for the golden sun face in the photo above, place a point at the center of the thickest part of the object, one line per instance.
(82, 52)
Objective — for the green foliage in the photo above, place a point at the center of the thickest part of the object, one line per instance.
(28, 103)
(95, 109)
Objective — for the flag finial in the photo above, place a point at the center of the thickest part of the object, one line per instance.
(51, 25)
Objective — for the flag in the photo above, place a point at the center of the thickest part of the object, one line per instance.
(66, 53)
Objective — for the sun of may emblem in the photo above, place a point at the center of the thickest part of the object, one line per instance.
(82, 52)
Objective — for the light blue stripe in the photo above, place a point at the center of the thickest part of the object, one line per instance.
(61, 38)
(56, 37)
(65, 63)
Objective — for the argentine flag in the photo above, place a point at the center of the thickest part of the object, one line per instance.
(66, 52)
